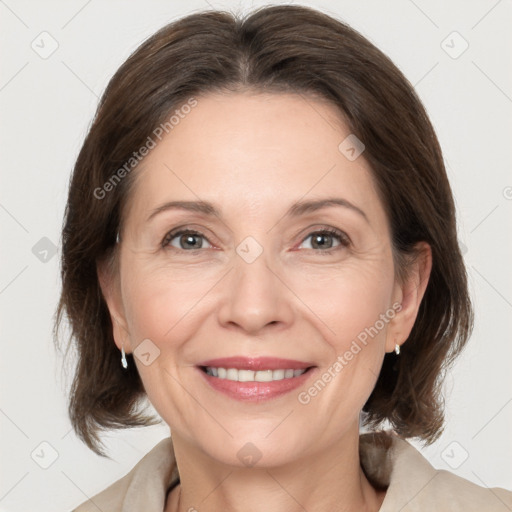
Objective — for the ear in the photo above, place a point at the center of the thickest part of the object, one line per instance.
(409, 294)
(108, 277)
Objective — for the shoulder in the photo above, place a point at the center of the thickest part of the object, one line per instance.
(143, 488)
(447, 489)
(414, 485)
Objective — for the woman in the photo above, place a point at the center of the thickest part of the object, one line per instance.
(260, 238)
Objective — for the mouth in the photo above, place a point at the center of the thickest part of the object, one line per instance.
(240, 375)
(251, 379)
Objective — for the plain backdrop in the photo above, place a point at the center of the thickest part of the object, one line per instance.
(56, 59)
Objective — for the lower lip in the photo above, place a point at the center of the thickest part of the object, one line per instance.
(256, 391)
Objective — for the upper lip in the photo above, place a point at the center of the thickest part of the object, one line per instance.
(256, 363)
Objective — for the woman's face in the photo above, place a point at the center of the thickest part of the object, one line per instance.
(262, 278)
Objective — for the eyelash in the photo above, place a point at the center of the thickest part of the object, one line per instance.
(340, 235)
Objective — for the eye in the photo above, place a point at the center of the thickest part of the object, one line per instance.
(190, 240)
(187, 239)
(322, 239)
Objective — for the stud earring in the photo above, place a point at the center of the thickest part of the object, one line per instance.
(397, 349)
(124, 362)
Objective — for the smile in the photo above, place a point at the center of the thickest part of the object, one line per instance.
(240, 375)
(255, 379)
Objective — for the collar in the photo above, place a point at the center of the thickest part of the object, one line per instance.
(389, 462)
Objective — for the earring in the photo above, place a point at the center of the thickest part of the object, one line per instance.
(397, 349)
(124, 362)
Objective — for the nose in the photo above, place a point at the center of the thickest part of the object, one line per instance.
(255, 297)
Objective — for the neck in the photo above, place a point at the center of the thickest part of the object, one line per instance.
(332, 479)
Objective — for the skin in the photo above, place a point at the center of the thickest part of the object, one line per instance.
(253, 155)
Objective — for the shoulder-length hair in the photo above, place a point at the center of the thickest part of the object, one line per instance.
(274, 49)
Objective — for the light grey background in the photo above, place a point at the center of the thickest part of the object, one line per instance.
(46, 106)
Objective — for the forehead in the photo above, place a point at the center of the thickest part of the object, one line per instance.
(254, 152)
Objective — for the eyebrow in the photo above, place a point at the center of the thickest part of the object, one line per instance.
(296, 209)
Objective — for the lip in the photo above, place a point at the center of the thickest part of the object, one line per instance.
(256, 363)
(256, 391)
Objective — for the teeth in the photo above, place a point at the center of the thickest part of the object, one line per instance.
(251, 375)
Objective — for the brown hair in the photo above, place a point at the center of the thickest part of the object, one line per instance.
(274, 49)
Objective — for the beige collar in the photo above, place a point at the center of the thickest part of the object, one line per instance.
(389, 462)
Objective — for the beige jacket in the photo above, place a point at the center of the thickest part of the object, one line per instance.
(413, 485)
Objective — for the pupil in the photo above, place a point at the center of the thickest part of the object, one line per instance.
(319, 237)
(190, 239)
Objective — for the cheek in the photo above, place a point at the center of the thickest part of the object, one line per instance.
(160, 303)
(349, 300)
(342, 301)
(352, 309)
(163, 307)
